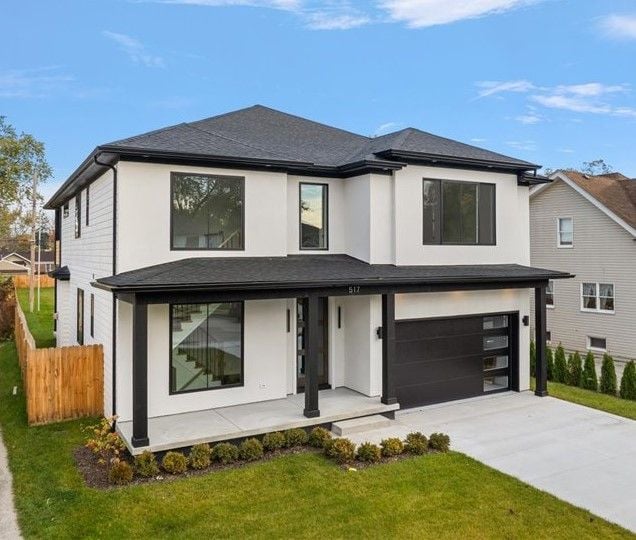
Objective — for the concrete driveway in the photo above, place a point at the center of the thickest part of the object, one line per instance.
(580, 455)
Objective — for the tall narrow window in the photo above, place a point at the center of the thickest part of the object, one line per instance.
(78, 215)
(88, 193)
(432, 212)
(92, 315)
(80, 317)
(207, 212)
(565, 232)
(314, 216)
(549, 294)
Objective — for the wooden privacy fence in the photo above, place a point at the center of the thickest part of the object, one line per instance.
(22, 282)
(60, 383)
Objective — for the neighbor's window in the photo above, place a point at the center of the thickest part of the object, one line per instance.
(314, 216)
(597, 297)
(207, 211)
(65, 212)
(458, 213)
(549, 294)
(78, 215)
(80, 317)
(206, 346)
(565, 232)
(596, 343)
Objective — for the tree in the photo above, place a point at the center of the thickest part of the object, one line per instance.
(596, 167)
(560, 365)
(575, 370)
(533, 359)
(589, 379)
(608, 375)
(549, 362)
(628, 381)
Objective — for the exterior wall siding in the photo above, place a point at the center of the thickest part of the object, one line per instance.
(603, 252)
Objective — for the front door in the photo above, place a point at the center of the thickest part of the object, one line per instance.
(321, 326)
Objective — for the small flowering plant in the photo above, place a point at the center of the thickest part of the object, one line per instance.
(103, 441)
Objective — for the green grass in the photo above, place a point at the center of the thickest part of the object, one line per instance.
(303, 495)
(40, 322)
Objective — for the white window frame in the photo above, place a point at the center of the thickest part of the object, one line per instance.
(551, 285)
(589, 344)
(598, 298)
(558, 232)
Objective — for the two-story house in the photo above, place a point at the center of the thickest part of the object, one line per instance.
(586, 225)
(257, 270)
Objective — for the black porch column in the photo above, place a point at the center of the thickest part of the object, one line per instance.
(541, 388)
(388, 348)
(312, 344)
(140, 373)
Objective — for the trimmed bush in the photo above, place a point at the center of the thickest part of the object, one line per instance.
(416, 443)
(341, 450)
(575, 370)
(369, 453)
(120, 472)
(274, 441)
(392, 447)
(251, 450)
(199, 457)
(533, 359)
(174, 463)
(628, 381)
(225, 453)
(560, 365)
(549, 360)
(146, 464)
(318, 437)
(589, 380)
(295, 437)
(608, 376)
(439, 442)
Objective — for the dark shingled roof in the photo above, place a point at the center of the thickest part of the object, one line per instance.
(309, 271)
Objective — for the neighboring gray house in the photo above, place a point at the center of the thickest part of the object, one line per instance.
(586, 225)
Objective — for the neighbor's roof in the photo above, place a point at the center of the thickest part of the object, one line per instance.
(7, 267)
(309, 271)
(260, 136)
(46, 256)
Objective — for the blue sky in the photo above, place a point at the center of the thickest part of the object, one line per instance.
(551, 81)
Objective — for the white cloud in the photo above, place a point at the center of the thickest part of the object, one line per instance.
(134, 49)
(289, 5)
(478, 140)
(527, 146)
(619, 26)
(33, 83)
(590, 89)
(325, 20)
(528, 119)
(387, 127)
(490, 88)
(565, 150)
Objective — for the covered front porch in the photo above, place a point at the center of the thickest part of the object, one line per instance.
(250, 419)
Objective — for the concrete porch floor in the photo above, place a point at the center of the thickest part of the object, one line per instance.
(186, 429)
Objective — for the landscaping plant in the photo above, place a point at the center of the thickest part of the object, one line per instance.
(318, 437)
(251, 450)
(392, 447)
(439, 442)
(369, 453)
(120, 472)
(589, 380)
(146, 464)
(416, 443)
(174, 463)
(533, 358)
(199, 457)
(549, 362)
(225, 453)
(341, 450)
(560, 365)
(608, 376)
(104, 442)
(628, 381)
(295, 437)
(274, 441)
(575, 370)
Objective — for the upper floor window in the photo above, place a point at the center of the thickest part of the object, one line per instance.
(460, 213)
(597, 297)
(549, 294)
(314, 216)
(565, 232)
(79, 317)
(88, 193)
(207, 211)
(65, 209)
(78, 215)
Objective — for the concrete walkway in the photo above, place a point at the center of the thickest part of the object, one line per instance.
(8, 520)
(580, 455)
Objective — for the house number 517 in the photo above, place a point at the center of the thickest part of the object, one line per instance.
(354, 289)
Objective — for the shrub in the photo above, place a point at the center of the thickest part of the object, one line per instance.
(174, 463)
(341, 450)
(318, 437)
(628, 381)
(392, 447)
(104, 442)
(575, 370)
(295, 437)
(199, 457)
(589, 379)
(416, 443)
(533, 359)
(146, 464)
(225, 453)
(369, 453)
(560, 365)
(251, 450)
(120, 472)
(274, 441)
(7, 304)
(439, 442)
(608, 375)
(549, 360)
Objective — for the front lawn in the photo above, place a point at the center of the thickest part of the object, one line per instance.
(301, 495)
(40, 322)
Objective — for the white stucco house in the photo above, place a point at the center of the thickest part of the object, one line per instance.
(255, 270)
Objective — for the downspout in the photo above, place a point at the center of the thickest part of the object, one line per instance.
(114, 313)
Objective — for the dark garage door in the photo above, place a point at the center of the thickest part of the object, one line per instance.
(445, 359)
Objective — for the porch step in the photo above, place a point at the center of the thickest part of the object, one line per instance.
(356, 425)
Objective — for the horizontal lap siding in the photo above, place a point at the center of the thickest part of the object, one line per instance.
(603, 252)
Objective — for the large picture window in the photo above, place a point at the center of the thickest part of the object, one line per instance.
(314, 216)
(206, 346)
(461, 213)
(207, 212)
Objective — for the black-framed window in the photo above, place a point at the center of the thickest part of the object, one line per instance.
(92, 315)
(78, 215)
(80, 317)
(66, 212)
(206, 346)
(88, 194)
(459, 213)
(549, 294)
(207, 212)
(314, 216)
